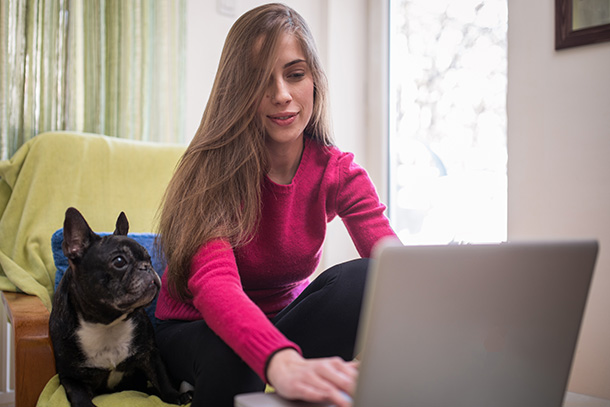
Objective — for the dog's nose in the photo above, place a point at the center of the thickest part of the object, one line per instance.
(145, 267)
(156, 281)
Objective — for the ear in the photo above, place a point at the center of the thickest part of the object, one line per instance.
(122, 225)
(78, 236)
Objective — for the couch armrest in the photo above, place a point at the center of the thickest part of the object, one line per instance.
(34, 359)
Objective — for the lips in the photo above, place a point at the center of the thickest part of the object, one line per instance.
(283, 119)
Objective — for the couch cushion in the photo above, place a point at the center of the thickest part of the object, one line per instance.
(100, 176)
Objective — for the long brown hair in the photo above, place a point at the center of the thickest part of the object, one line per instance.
(216, 189)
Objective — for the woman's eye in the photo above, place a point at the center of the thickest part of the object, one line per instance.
(119, 262)
(297, 75)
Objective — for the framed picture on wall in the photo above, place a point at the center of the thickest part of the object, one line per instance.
(581, 22)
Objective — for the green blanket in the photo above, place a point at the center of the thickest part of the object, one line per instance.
(54, 395)
(101, 176)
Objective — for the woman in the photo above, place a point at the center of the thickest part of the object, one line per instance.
(243, 222)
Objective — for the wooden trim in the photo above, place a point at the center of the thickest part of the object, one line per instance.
(34, 359)
(567, 37)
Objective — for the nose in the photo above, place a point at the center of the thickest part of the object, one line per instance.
(144, 266)
(279, 92)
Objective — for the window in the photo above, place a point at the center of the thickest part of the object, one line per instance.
(447, 126)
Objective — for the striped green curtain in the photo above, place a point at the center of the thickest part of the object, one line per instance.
(114, 67)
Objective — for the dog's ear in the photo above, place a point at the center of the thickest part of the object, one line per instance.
(122, 225)
(78, 236)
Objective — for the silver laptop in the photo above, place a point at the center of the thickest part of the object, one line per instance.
(468, 325)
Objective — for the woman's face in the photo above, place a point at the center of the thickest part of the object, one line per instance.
(287, 105)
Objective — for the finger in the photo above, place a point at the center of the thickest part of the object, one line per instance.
(351, 369)
(309, 382)
(315, 389)
(340, 399)
(347, 368)
(340, 374)
(323, 392)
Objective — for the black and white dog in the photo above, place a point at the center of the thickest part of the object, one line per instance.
(102, 338)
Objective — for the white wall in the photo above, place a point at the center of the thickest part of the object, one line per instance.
(559, 161)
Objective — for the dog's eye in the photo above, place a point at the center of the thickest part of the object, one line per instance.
(119, 262)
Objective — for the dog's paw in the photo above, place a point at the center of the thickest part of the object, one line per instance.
(186, 398)
(177, 397)
(186, 392)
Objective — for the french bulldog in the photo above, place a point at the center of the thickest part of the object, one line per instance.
(102, 338)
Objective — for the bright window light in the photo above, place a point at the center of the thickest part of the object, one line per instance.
(448, 153)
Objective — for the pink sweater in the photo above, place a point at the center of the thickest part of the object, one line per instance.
(236, 291)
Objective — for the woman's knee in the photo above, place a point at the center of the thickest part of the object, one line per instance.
(349, 277)
(324, 319)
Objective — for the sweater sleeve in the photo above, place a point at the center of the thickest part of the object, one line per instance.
(219, 297)
(359, 206)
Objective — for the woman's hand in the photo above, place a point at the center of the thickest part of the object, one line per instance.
(315, 380)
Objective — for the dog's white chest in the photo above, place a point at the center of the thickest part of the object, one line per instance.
(106, 346)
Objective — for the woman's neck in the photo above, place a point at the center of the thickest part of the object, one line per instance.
(284, 160)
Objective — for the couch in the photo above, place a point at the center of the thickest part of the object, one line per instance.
(99, 175)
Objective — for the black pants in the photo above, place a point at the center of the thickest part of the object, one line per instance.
(323, 321)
